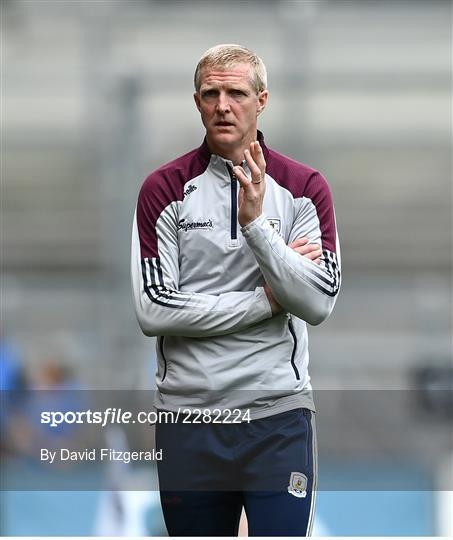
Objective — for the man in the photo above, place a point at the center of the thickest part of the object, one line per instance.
(234, 250)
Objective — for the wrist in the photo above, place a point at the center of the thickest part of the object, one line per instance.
(246, 223)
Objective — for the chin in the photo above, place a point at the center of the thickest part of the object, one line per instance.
(225, 138)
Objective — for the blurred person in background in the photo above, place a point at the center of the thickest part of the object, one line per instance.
(51, 386)
(11, 370)
(12, 385)
(234, 251)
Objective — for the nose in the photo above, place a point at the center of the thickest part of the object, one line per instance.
(223, 104)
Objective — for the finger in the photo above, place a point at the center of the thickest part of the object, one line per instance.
(243, 179)
(313, 255)
(302, 243)
(253, 151)
(254, 169)
(302, 250)
(298, 242)
(258, 156)
(308, 251)
(241, 197)
(312, 247)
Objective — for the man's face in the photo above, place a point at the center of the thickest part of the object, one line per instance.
(229, 106)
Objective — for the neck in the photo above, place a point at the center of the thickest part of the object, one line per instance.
(233, 153)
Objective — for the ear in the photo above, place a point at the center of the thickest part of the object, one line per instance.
(196, 97)
(262, 101)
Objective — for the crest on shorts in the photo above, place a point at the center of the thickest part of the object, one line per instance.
(275, 223)
(298, 484)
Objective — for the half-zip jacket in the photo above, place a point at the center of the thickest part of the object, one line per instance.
(198, 279)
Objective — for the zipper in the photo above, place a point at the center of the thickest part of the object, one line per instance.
(161, 349)
(293, 354)
(234, 204)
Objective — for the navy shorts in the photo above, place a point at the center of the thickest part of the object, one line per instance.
(210, 471)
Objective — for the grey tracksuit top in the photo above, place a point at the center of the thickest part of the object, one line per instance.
(198, 278)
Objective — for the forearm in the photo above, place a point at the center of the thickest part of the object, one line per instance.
(162, 309)
(201, 315)
(301, 286)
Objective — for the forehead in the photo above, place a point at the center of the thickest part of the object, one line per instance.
(218, 75)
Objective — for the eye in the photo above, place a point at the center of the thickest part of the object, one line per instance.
(209, 93)
(237, 93)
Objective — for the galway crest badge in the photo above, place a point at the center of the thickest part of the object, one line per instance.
(298, 484)
(276, 224)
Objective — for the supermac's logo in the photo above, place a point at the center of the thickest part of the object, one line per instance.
(185, 225)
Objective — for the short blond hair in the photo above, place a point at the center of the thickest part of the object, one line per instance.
(230, 54)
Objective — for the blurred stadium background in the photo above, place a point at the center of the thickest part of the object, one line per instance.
(97, 94)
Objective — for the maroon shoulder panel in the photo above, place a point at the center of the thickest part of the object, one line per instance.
(303, 181)
(161, 188)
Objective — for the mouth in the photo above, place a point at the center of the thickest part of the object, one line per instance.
(223, 123)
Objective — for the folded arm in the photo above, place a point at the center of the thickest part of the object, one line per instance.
(301, 286)
(161, 308)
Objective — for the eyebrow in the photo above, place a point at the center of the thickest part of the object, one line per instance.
(232, 88)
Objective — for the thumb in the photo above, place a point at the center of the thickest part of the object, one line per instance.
(241, 197)
(243, 179)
